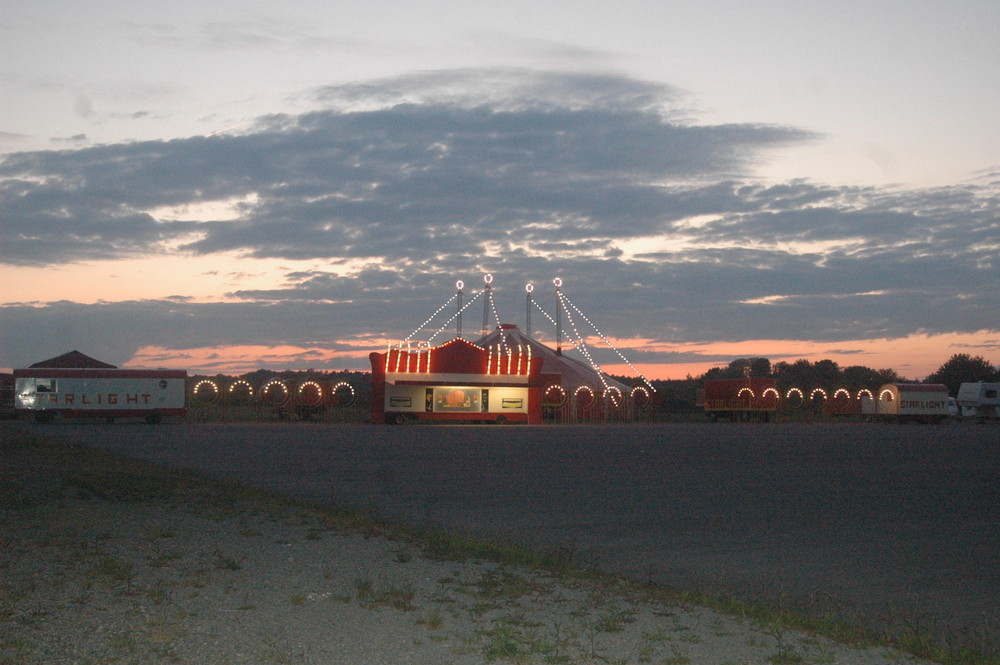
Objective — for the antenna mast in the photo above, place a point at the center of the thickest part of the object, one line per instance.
(529, 287)
(558, 283)
(488, 278)
(459, 285)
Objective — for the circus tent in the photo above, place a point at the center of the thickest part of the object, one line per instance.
(504, 376)
(572, 374)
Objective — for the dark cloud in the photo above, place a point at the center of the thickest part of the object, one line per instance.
(445, 175)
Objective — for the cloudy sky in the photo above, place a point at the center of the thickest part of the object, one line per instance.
(226, 186)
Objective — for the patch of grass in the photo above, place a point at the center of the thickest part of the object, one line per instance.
(504, 641)
(432, 620)
(400, 598)
(503, 585)
(112, 568)
(613, 620)
(223, 562)
(165, 532)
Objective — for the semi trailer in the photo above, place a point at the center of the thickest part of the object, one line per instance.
(910, 402)
(100, 393)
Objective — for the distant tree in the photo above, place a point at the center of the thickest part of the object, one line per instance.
(963, 368)
(827, 374)
(735, 370)
(760, 367)
(741, 368)
(800, 374)
(788, 374)
(891, 376)
(857, 377)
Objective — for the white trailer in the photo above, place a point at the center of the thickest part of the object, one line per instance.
(921, 402)
(980, 399)
(100, 393)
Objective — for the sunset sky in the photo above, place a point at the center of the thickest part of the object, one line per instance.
(227, 186)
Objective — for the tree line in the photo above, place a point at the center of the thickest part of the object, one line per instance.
(827, 374)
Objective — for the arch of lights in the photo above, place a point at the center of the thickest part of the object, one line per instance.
(613, 394)
(554, 395)
(584, 396)
(241, 392)
(641, 396)
(795, 398)
(342, 387)
(274, 392)
(205, 391)
(310, 393)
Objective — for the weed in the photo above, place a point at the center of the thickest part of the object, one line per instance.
(160, 593)
(432, 619)
(400, 598)
(504, 585)
(613, 620)
(165, 532)
(224, 562)
(504, 642)
(113, 569)
(161, 560)
(198, 579)
(297, 599)
(363, 590)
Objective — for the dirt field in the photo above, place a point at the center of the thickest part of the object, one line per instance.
(889, 525)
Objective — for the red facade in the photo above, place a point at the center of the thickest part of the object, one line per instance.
(457, 381)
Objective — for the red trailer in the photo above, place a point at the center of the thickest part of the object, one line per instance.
(740, 399)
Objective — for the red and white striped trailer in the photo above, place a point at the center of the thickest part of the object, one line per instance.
(100, 393)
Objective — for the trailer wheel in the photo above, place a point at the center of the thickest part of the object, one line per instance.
(399, 419)
(154, 418)
(501, 420)
(43, 417)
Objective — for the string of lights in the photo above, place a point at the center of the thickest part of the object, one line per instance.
(582, 346)
(608, 342)
(563, 302)
(429, 319)
(454, 316)
(496, 315)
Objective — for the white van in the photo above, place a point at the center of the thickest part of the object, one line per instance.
(980, 399)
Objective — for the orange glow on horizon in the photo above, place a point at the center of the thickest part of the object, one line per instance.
(913, 357)
(234, 360)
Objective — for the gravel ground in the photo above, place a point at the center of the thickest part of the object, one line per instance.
(109, 560)
(893, 526)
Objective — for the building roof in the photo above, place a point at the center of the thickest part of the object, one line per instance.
(574, 372)
(72, 360)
